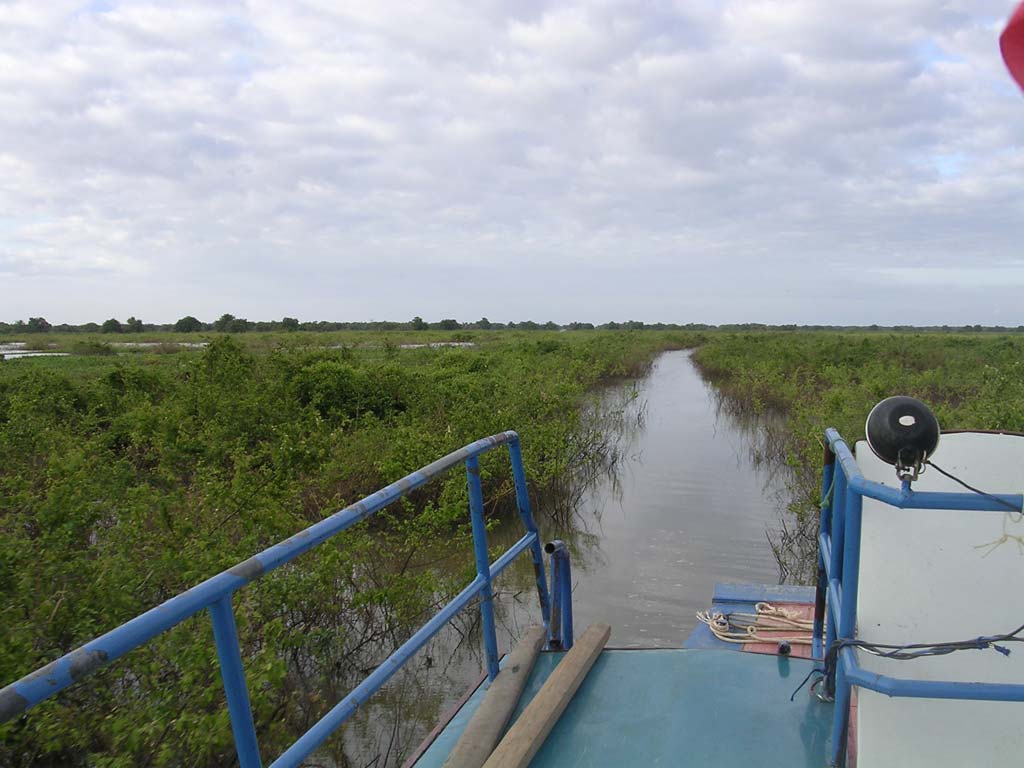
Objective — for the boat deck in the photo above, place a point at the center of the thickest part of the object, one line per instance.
(674, 707)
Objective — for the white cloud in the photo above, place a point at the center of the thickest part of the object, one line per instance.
(992, 276)
(679, 161)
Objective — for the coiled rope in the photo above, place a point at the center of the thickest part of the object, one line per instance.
(747, 627)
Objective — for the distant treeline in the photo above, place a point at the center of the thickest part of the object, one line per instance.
(230, 324)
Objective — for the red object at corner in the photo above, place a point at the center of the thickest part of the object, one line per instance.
(1012, 44)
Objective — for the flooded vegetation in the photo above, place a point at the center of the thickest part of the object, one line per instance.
(128, 478)
(13, 350)
(671, 493)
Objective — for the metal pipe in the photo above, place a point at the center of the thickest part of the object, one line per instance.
(835, 604)
(847, 621)
(515, 455)
(304, 541)
(555, 630)
(511, 554)
(962, 502)
(851, 565)
(837, 536)
(828, 469)
(566, 577)
(825, 547)
(842, 564)
(345, 708)
(835, 598)
(908, 499)
(225, 634)
(840, 718)
(58, 675)
(483, 565)
(561, 576)
(567, 632)
(824, 527)
(927, 689)
(838, 532)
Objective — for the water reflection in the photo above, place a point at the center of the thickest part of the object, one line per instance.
(13, 350)
(691, 498)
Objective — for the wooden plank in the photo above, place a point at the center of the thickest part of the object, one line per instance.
(528, 733)
(485, 728)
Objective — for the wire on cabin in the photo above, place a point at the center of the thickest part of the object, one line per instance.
(911, 651)
(978, 491)
(921, 650)
(815, 671)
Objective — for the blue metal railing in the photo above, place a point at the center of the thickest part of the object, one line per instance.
(561, 597)
(215, 594)
(843, 492)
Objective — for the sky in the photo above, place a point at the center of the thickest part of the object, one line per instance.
(776, 161)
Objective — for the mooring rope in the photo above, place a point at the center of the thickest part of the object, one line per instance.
(747, 627)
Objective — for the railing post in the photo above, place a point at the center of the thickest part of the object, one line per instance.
(555, 628)
(215, 594)
(483, 564)
(565, 586)
(847, 622)
(561, 585)
(838, 526)
(515, 455)
(828, 469)
(225, 633)
(838, 533)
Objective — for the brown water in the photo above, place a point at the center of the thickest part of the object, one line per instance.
(688, 502)
(688, 506)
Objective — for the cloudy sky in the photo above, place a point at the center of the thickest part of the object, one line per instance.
(700, 160)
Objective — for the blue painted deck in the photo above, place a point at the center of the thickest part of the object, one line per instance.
(742, 598)
(676, 707)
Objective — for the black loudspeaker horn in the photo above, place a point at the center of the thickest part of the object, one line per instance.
(904, 432)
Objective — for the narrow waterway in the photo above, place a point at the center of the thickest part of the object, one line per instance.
(687, 501)
(688, 504)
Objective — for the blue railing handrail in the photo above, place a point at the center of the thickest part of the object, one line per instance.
(215, 593)
(904, 497)
(843, 493)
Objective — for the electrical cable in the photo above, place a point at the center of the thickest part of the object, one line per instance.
(921, 650)
(814, 671)
(955, 479)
